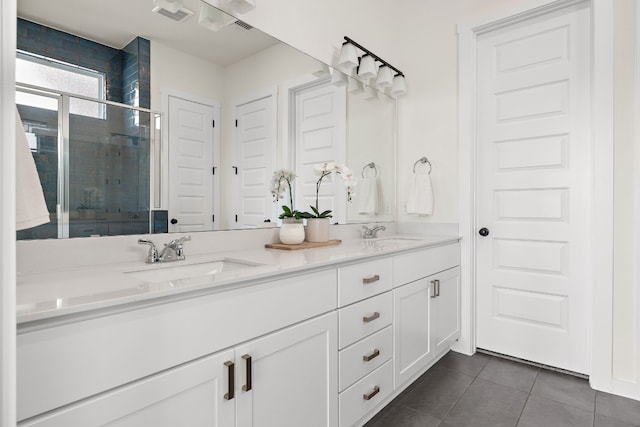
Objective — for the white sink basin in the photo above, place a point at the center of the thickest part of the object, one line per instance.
(169, 272)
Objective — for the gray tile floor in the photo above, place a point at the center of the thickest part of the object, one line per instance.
(482, 390)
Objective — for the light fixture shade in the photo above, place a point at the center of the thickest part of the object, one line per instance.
(172, 6)
(370, 93)
(240, 6)
(348, 57)
(399, 85)
(338, 78)
(323, 71)
(367, 68)
(385, 77)
(214, 19)
(355, 86)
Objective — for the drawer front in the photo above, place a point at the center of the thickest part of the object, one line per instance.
(423, 263)
(365, 395)
(364, 318)
(365, 356)
(95, 355)
(360, 281)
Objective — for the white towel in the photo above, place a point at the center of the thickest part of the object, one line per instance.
(368, 196)
(420, 197)
(31, 209)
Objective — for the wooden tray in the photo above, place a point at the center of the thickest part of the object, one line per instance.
(303, 245)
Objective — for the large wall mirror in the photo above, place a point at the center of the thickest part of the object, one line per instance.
(235, 105)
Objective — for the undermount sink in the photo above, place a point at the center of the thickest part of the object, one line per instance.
(163, 273)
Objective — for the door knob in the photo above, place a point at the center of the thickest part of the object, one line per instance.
(174, 221)
(483, 231)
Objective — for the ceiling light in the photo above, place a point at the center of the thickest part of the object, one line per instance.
(240, 6)
(214, 19)
(348, 56)
(399, 85)
(385, 76)
(367, 67)
(171, 6)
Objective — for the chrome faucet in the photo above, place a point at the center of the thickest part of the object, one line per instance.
(372, 233)
(172, 251)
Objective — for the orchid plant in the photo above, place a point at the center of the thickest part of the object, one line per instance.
(280, 182)
(325, 169)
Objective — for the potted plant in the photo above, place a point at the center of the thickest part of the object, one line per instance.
(318, 222)
(291, 230)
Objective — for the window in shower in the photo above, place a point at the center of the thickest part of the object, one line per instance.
(36, 70)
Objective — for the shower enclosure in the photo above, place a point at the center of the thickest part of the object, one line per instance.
(98, 163)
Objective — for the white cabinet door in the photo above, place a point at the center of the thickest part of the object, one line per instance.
(189, 395)
(446, 309)
(412, 328)
(291, 378)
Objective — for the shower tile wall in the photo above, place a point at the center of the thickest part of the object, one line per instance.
(109, 158)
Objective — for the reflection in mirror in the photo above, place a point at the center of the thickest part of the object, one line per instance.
(236, 105)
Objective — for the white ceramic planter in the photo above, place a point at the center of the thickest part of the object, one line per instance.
(317, 229)
(291, 231)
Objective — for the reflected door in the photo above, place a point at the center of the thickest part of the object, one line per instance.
(533, 189)
(320, 136)
(190, 166)
(254, 163)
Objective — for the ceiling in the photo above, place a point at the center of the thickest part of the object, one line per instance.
(116, 22)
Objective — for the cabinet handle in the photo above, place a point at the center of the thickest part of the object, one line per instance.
(371, 279)
(369, 357)
(232, 380)
(437, 287)
(433, 289)
(374, 316)
(247, 360)
(375, 391)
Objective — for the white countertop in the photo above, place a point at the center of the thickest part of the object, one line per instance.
(43, 296)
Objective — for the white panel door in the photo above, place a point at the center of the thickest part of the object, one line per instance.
(255, 161)
(190, 165)
(320, 136)
(533, 189)
(294, 377)
(189, 395)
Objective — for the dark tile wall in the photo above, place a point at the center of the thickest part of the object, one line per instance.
(45, 41)
(109, 158)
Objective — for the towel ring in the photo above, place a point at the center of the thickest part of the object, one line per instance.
(422, 160)
(371, 165)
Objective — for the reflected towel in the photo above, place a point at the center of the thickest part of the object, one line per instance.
(31, 209)
(368, 196)
(420, 197)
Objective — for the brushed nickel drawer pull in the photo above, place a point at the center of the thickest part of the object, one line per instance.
(369, 357)
(374, 316)
(372, 279)
(437, 287)
(433, 289)
(232, 380)
(375, 391)
(247, 359)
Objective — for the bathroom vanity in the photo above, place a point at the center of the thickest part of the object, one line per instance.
(321, 337)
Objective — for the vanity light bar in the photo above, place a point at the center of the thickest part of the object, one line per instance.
(376, 57)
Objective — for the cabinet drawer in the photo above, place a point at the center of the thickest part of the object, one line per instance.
(364, 318)
(360, 281)
(365, 356)
(360, 398)
(416, 265)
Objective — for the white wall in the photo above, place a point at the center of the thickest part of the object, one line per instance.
(626, 361)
